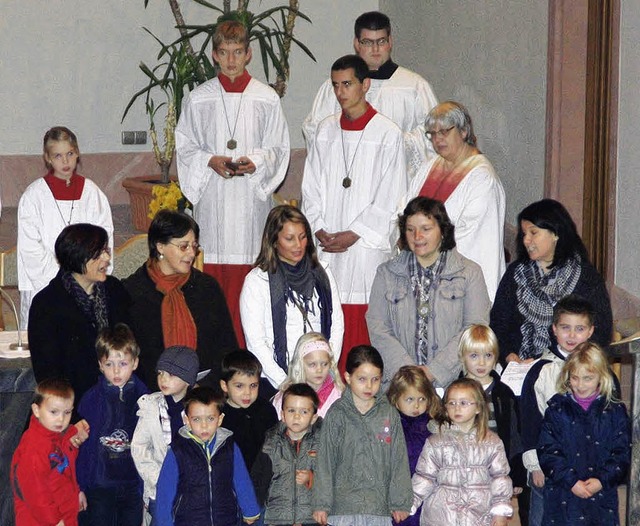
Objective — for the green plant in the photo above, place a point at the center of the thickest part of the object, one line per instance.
(180, 68)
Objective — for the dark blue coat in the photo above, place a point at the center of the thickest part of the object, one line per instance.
(577, 445)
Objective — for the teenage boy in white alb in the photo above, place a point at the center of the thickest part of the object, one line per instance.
(353, 176)
(232, 144)
(398, 93)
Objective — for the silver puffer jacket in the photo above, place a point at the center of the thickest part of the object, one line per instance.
(462, 482)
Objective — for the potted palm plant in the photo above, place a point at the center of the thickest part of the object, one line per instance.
(180, 68)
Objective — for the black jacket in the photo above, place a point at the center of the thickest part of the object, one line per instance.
(210, 314)
(62, 339)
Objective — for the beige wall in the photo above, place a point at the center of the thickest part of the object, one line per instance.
(75, 62)
(491, 55)
(627, 267)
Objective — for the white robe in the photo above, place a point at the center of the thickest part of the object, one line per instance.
(367, 207)
(477, 209)
(257, 323)
(231, 212)
(405, 98)
(41, 218)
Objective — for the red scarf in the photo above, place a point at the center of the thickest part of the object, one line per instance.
(178, 327)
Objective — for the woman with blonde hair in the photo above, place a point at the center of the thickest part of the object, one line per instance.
(287, 294)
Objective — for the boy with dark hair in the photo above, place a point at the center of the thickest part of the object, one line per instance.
(106, 472)
(160, 416)
(354, 176)
(246, 414)
(203, 479)
(43, 474)
(396, 92)
(573, 318)
(283, 471)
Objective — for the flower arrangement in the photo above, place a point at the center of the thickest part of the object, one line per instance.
(168, 196)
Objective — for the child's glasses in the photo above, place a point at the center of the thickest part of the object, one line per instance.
(461, 403)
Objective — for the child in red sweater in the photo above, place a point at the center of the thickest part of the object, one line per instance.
(43, 468)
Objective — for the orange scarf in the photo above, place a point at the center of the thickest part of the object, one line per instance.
(441, 183)
(178, 327)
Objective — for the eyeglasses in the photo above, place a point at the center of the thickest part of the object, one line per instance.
(431, 134)
(461, 403)
(185, 245)
(367, 42)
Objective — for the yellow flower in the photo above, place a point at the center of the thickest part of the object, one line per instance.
(167, 197)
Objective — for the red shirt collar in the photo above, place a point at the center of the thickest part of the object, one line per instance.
(238, 85)
(359, 123)
(63, 191)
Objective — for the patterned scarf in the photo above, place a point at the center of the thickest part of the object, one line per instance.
(296, 283)
(94, 305)
(178, 327)
(424, 281)
(537, 293)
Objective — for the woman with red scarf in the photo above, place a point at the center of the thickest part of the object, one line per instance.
(176, 304)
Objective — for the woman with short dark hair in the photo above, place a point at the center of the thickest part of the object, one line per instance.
(176, 304)
(287, 294)
(423, 299)
(552, 263)
(67, 315)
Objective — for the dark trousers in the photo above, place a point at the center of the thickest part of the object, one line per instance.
(121, 506)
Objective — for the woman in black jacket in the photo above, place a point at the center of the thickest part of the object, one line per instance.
(174, 304)
(66, 316)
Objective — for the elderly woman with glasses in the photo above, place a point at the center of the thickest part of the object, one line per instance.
(463, 179)
(67, 315)
(176, 304)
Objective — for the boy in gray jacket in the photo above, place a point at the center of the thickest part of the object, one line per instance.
(283, 472)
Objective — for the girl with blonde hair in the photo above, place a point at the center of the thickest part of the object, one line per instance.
(313, 363)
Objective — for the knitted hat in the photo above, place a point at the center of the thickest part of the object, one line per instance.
(181, 362)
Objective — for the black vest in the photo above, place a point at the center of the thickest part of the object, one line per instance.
(205, 495)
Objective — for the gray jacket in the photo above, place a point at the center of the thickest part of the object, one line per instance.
(362, 463)
(274, 475)
(460, 300)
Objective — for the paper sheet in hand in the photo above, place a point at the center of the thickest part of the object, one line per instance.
(514, 374)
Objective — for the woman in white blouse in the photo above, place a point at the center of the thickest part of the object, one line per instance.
(288, 293)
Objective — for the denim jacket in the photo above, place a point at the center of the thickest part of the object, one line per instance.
(459, 300)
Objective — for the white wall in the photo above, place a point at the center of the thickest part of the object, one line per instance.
(489, 55)
(75, 63)
(627, 233)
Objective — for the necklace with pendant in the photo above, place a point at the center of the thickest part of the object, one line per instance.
(346, 182)
(60, 211)
(232, 144)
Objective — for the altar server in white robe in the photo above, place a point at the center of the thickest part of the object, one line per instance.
(465, 181)
(232, 144)
(353, 176)
(398, 93)
(61, 198)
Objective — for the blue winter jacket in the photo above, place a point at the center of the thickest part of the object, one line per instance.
(575, 445)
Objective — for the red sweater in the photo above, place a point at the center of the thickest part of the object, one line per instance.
(43, 477)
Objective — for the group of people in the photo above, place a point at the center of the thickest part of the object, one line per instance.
(406, 294)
